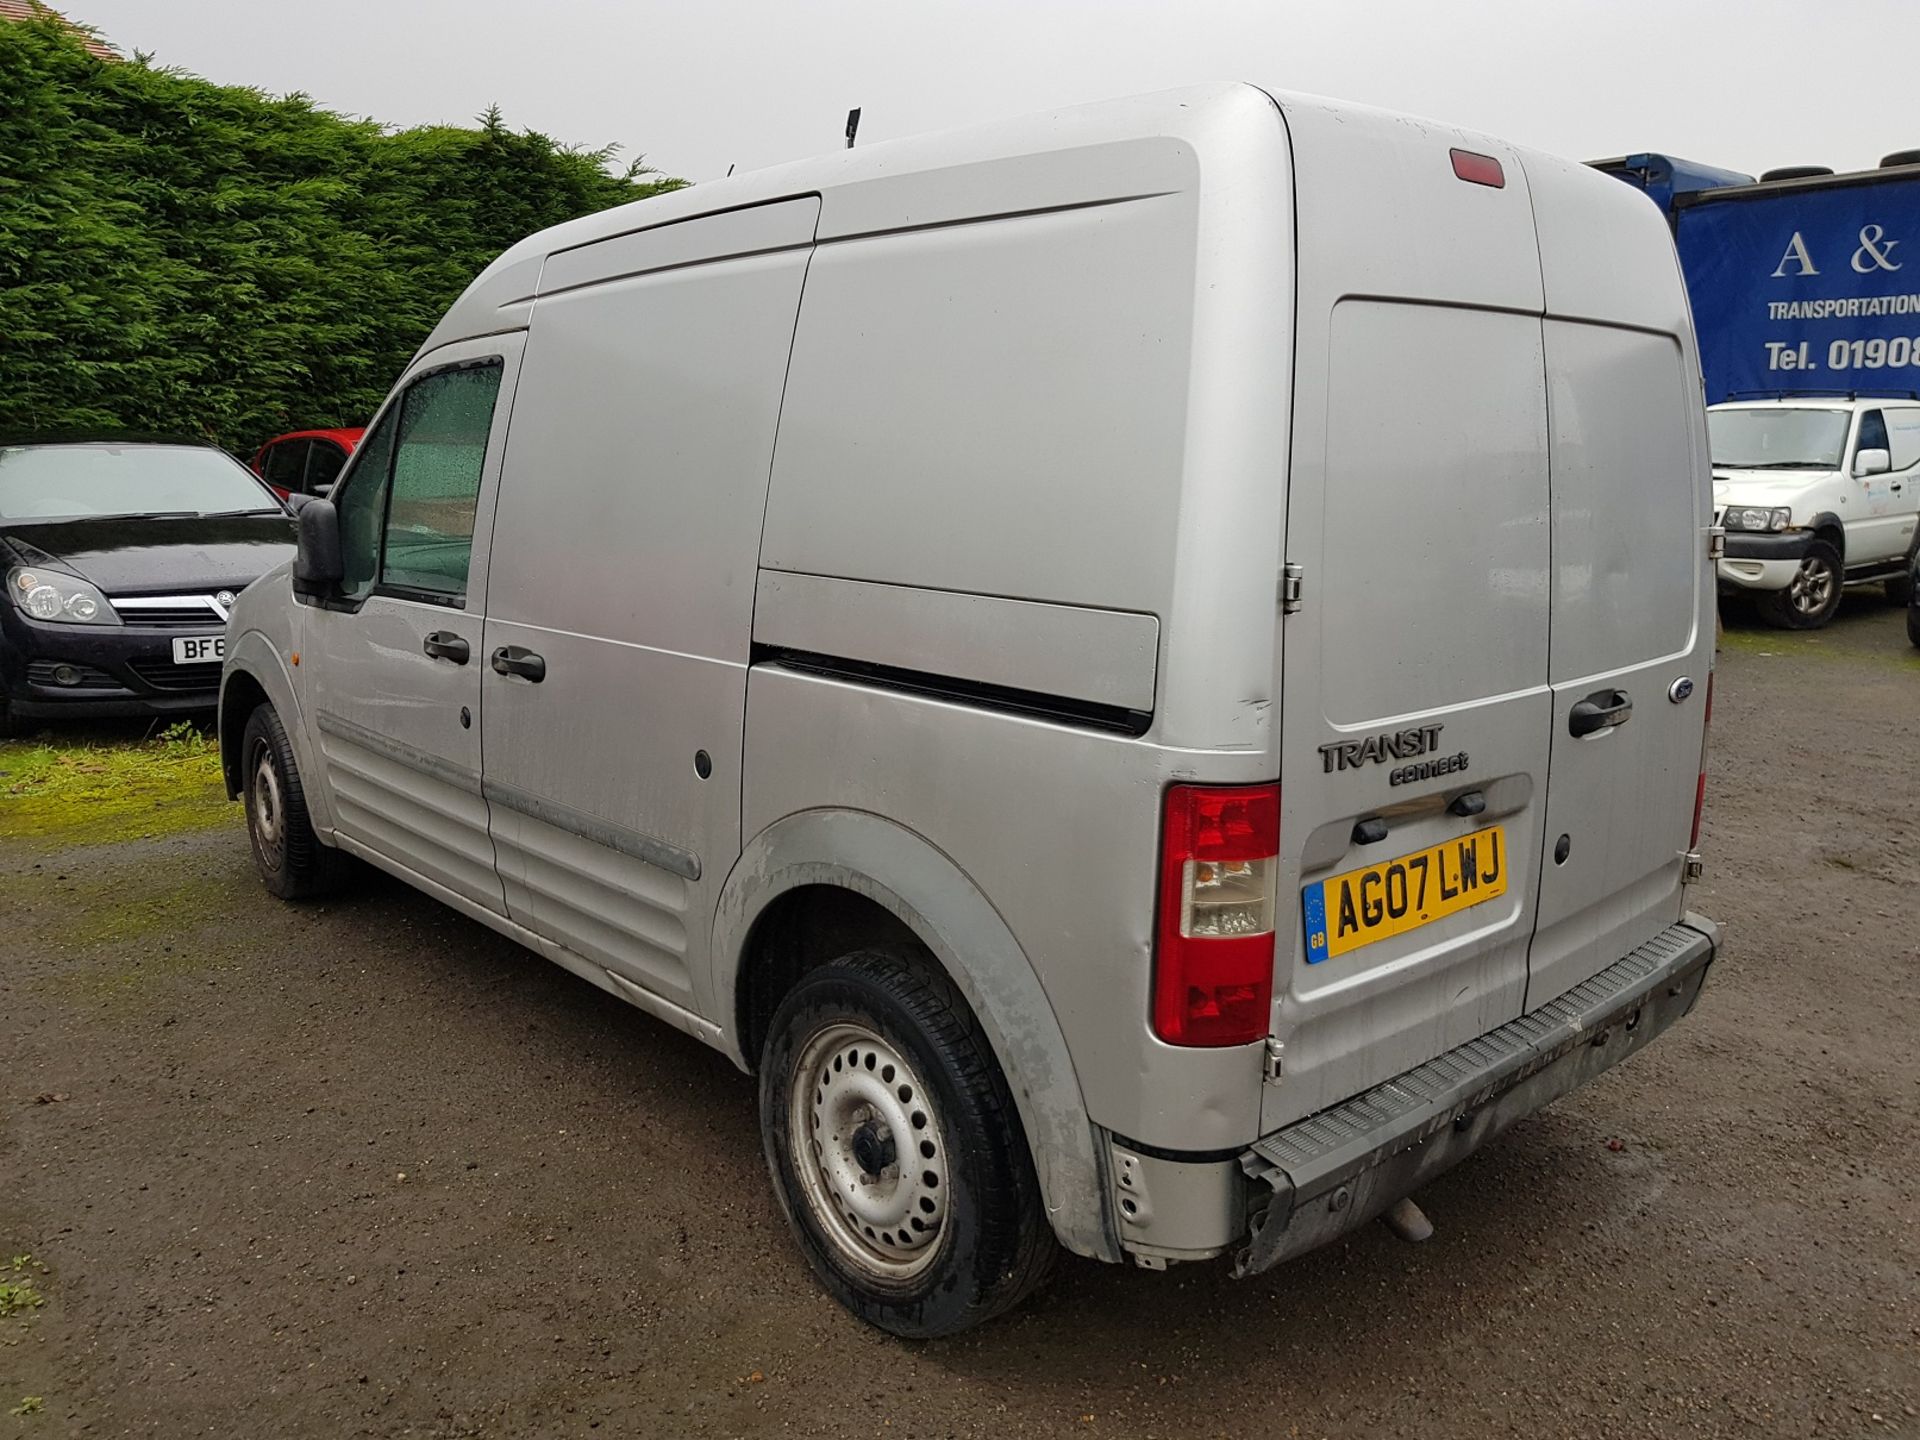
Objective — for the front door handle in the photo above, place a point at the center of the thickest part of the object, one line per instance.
(445, 645)
(518, 660)
(1602, 710)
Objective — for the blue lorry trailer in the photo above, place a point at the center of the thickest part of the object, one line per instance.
(1808, 283)
(1663, 177)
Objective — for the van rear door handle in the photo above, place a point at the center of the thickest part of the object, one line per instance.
(1602, 710)
(518, 660)
(445, 645)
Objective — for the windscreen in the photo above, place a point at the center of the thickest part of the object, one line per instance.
(78, 482)
(1777, 438)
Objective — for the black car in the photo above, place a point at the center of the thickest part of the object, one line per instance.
(121, 560)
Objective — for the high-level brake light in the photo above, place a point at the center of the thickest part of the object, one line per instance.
(1478, 169)
(1213, 956)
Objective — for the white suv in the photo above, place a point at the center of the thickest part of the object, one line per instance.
(1815, 494)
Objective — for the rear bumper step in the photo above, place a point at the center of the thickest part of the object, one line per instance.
(1334, 1171)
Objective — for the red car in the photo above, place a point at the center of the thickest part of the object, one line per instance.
(305, 462)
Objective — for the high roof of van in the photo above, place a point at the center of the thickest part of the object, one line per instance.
(1374, 163)
(996, 168)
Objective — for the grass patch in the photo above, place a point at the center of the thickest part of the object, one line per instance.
(88, 792)
(1846, 644)
(17, 1293)
(131, 926)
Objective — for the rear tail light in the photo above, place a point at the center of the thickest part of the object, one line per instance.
(1700, 790)
(1213, 956)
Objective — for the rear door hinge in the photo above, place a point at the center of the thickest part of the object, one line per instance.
(1276, 1060)
(1691, 867)
(1292, 583)
(1717, 542)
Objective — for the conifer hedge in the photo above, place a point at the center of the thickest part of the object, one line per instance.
(185, 257)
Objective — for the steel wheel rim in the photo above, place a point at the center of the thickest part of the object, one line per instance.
(1812, 586)
(857, 1101)
(264, 801)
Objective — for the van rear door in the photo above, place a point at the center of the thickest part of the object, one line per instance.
(1415, 704)
(1633, 592)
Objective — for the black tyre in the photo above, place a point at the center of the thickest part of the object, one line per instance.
(291, 859)
(11, 727)
(1811, 598)
(1900, 589)
(896, 1151)
(1913, 625)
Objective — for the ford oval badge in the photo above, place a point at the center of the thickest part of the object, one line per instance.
(1680, 690)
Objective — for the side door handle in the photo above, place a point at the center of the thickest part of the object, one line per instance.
(1602, 710)
(445, 645)
(518, 660)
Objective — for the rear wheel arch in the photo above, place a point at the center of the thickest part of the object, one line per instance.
(847, 879)
(801, 930)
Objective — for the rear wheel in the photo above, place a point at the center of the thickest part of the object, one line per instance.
(896, 1151)
(1913, 625)
(1811, 597)
(290, 858)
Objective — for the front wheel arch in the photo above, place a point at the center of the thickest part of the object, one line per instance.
(240, 696)
(254, 661)
(1828, 527)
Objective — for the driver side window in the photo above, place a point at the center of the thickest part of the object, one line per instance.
(442, 448)
(362, 503)
(406, 507)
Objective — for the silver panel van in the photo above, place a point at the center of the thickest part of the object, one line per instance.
(1145, 668)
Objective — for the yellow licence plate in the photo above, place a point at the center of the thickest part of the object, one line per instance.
(1404, 893)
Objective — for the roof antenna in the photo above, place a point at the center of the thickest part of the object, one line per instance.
(730, 167)
(853, 125)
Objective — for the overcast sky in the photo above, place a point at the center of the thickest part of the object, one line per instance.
(698, 86)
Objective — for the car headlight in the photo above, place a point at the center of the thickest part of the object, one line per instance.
(65, 599)
(1750, 518)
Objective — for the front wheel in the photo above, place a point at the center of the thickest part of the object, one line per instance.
(290, 858)
(896, 1151)
(1913, 625)
(1811, 597)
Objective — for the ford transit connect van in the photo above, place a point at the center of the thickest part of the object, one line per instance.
(1145, 668)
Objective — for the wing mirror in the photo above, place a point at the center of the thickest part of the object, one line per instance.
(317, 564)
(1871, 462)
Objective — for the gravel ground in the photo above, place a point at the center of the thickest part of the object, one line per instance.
(366, 1169)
